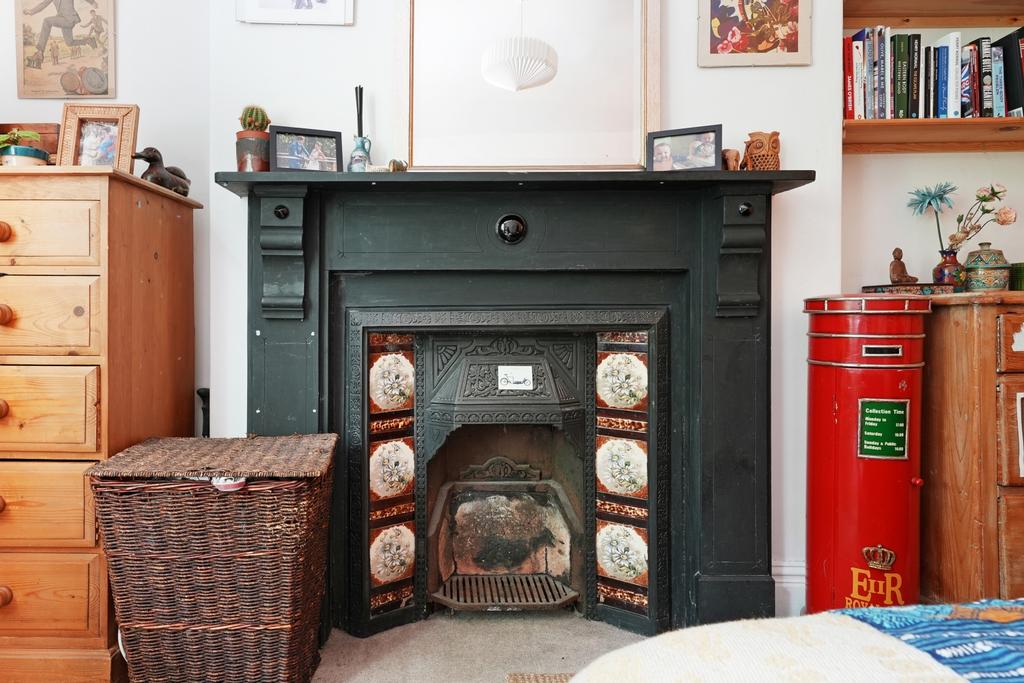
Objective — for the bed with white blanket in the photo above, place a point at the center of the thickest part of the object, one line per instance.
(979, 641)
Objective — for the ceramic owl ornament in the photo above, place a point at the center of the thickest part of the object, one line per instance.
(762, 152)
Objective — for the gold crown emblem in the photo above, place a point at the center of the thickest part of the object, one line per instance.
(879, 557)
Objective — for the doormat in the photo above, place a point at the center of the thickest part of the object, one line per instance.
(538, 678)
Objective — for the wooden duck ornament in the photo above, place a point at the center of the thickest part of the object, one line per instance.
(171, 177)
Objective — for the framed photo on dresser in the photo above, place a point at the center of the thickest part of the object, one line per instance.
(98, 135)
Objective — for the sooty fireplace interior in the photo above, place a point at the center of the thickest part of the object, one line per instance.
(552, 388)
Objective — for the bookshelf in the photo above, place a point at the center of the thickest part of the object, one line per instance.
(933, 135)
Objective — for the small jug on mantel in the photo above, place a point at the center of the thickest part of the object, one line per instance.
(949, 271)
(987, 269)
(360, 157)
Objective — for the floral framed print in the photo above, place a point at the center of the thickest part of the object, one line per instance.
(65, 49)
(754, 33)
(98, 135)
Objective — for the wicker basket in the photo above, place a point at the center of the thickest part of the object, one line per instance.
(214, 585)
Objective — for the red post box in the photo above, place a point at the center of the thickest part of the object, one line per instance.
(863, 450)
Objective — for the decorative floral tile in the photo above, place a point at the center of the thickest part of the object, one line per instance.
(392, 468)
(392, 381)
(392, 553)
(622, 380)
(622, 466)
(622, 552)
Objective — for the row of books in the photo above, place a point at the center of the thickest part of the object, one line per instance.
(893, 76)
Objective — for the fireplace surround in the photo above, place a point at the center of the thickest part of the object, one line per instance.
(391, 307)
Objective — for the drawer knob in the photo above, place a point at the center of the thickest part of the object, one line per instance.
(5, 231)
(511, 229)
(6, 596)
(3, 504)
(6, 314)
(5, 409)
(745, 209)
(281, 211)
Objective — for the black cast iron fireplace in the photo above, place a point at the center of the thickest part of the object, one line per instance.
(552, 388)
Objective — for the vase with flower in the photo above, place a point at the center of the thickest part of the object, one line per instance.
(982, 212)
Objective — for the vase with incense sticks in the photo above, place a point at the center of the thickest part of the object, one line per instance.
(360, 157)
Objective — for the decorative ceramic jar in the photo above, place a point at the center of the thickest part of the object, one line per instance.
(950, 271)
(987, 269)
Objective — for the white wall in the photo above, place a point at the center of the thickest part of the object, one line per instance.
(170, 83)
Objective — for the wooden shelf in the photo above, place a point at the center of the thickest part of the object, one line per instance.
(933, 13)
(933, 135)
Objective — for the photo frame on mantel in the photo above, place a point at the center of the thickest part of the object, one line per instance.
(597, 97)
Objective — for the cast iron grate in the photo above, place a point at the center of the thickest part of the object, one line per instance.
(505, 593)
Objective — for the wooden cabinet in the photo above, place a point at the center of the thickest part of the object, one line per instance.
(972, 516)
(96, 354)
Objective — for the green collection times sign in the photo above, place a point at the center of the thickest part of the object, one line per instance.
(883, 429)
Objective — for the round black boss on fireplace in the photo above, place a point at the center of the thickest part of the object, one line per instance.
(511, 228)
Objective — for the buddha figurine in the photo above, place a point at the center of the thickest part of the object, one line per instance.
(898, 270)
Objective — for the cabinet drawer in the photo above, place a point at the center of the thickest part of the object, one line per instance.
(43, 232)
(45, 503)
(1011, 542)
(49, 594)
(48, 408)
(1010, 436)
(1010, 349)
(51, 314)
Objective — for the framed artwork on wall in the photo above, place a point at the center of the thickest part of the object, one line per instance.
(65, 49)
(754, 32)
(98, 135)
(532, 84)
(333, 12)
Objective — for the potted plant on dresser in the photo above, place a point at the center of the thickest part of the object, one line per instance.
(252, 145)
(13, 153)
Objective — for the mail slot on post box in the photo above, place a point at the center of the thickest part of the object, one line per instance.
(863, 450)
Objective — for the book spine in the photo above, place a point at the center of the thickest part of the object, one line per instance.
(998, 83)
(954, 75)
(890, 74)
(882, 91)
(929, 80)
(870, 60)
(858, 79)
(976, 81)
(966, 86)
(902, 75)
(984, 46)
(915, 76)
(847, 78)
(942, 82)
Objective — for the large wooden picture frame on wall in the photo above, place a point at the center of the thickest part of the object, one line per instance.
(457, 121)
(98, 135)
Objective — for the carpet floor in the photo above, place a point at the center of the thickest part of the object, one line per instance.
(469, 648)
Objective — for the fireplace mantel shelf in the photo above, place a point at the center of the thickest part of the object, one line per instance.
(780, 181)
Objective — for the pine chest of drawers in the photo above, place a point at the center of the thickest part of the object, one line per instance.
(96, 354)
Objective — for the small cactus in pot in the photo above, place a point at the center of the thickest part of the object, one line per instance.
(13, 153)
(252, 145)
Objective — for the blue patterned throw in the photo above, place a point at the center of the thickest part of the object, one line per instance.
(981, 641)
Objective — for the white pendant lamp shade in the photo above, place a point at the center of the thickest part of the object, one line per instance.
(519, 63)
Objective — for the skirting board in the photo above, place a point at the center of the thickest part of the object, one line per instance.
(790, 588)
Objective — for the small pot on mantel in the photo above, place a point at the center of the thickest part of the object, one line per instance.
(23, 155)
(252, 150)
(950, 271)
